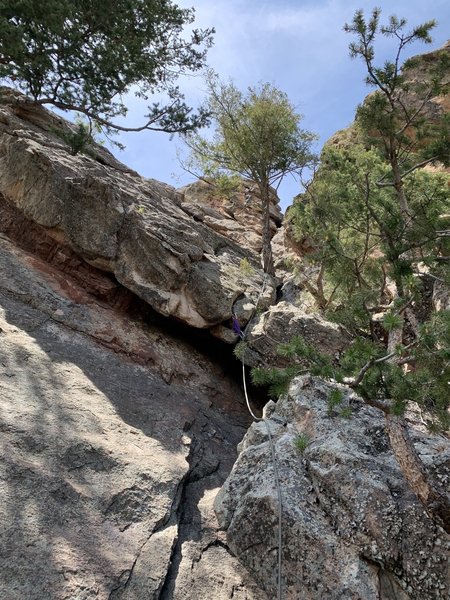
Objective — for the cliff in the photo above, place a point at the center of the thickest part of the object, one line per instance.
(122, 404)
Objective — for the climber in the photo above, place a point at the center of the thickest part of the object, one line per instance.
(236, 327)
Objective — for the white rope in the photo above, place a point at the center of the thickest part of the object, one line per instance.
(271, 443)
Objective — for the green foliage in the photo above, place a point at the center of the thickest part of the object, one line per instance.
(301, 442)
(305, 358)
(226, 185)
(392, 321)
(427, 384)
(79, 139)
(257, 135)
(84, 135)
(346, 412)
(432, 376)
(377, 223)
(86, 56)
(277, 380)
(358, 232)
(318, 363)
(361, 351)
(333, 213)
(352, 314)
(239, 349)
(395, 118)
(289, 263)
(245, 267)
(335, 398)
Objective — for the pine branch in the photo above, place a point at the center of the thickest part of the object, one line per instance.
(353, 382)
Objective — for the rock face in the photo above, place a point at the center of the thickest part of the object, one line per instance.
(119, 222)
(116, 436)
(351, 527)
(282, 322)
(120, 414)
(238, 217)
(117, 427)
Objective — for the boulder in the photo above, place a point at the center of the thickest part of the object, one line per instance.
(351, 526)
(279, 324)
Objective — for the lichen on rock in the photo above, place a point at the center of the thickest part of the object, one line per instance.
(351, 527)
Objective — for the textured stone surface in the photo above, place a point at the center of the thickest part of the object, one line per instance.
(120, 416)
(120, 222)
(281, 323)
(115, 436)
(238, 217)
(352, 529)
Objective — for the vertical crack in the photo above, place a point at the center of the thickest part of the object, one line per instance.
(166, 591)
(200, 469)
(171, 518)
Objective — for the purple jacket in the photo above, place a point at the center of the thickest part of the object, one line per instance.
(236, 327)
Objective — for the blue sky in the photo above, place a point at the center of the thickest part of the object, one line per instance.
(298, 46)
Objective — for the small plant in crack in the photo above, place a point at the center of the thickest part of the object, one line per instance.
(301, 442)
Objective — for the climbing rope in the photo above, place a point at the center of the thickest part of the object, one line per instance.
(271, 442)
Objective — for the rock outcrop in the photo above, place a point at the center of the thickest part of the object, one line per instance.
(282, 322)
(116, 435)
(120, 222)
(351, 527)
(238, 217)
(120, 413)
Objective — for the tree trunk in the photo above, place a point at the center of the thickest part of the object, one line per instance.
(395, 338)
(434, 499)
(400, 190)
(266, 252)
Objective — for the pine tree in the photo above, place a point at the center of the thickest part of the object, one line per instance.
(257, 136)
(378, 224)
(85, 55)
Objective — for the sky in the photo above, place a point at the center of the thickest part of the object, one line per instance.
(298, 46)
